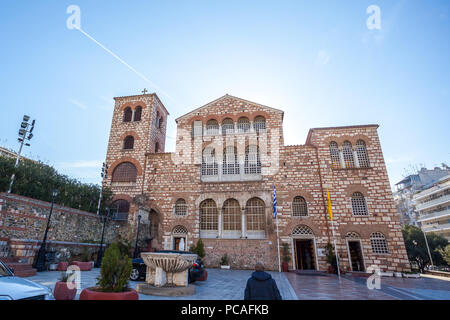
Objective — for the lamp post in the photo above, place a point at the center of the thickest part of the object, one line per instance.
(428, 248)
(100, 251)
(25, 128)
(104, 176)
(136, 251)
(40, 260)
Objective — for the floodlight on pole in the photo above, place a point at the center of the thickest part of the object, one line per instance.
(25, 128)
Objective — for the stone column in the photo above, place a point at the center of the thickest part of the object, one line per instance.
(341, 158)
(243, 224)
(355, 157)
(220, 224)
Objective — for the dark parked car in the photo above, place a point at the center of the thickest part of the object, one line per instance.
(196, 271)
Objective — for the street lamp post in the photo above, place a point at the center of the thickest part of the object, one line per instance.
(428, 248)
(100, 251)
(104, 175)
(25, 128)
(136, 251)
(40, 260)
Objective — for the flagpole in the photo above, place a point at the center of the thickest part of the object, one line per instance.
(330, 212)
(278, 246)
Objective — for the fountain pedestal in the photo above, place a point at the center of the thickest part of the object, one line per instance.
(167, 273)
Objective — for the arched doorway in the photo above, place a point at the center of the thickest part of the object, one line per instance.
(355, 252)
(179, 238)
(304, 244)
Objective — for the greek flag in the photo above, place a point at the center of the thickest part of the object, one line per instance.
(274, 202)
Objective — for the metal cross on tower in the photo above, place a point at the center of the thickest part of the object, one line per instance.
(144, 91)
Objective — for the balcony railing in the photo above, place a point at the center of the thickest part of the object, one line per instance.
(434, 215)
(436, 227)
(240, 172)
(429, 204)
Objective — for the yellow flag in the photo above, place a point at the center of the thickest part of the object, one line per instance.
(330, 211)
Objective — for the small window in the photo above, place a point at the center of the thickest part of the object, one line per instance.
(212, 127)
(252, 163)
(299, 207)
(259, 123)
(180, 207)
(359, 206)
(128, 143)
(138, 113)
(127, 114)
(209, 162)
(160, 122)
(230, 161)
(334, 153)
(347, 152)
(243, 125)
(227, 126)
(157, 148)
(361, 151)
(379, 243)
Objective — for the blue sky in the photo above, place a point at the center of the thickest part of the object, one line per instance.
(316, 60)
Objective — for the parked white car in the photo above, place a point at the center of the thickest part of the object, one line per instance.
(15, 288)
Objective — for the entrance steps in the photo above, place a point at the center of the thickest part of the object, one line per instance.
(311, 273)
(21, 269)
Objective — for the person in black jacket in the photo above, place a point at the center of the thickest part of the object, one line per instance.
(261, 286)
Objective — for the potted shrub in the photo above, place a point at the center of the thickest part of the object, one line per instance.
(286, 257)
(331, 258)
(114, 275)
(224, 264)
(65, 288)
(199, 249)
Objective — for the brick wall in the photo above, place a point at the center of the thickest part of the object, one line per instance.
(23, 221)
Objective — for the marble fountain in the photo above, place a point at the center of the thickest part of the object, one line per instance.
(167, 273)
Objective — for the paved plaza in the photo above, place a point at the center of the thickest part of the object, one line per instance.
(230, 285)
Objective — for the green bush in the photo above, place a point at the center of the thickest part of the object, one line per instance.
(37, 180)
(115, 270)
(224, 260)
(199, 249)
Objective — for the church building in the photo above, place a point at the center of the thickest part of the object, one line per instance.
(218, 185)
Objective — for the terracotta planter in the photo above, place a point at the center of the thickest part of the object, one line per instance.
(63, 292)
(330, 269)
(284, 266)
(92, 294)
(205, 276)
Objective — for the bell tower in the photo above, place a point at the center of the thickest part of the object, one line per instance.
(138, 127)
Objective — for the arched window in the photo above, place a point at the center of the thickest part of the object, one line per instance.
(124, 172)
(255, 215)
(361, 151)
(128, 142)
(209, 218)
(302, 231)
(252, 163)
(334, 153)
(231, 215)
(227, 126)
(352, 235)
(299, 207)
(212, 127)
(230, 161)
(243, 124)
(379, 243)
(209, 162)
(158, 119)
(157, 149)
(180, 207)
(120, 209)
(137, 113)
(179, 231)
(359, 206)
(259, 123)
(347, 152)
(127, 114)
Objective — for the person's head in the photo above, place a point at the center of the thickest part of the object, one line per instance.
(259, 266)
